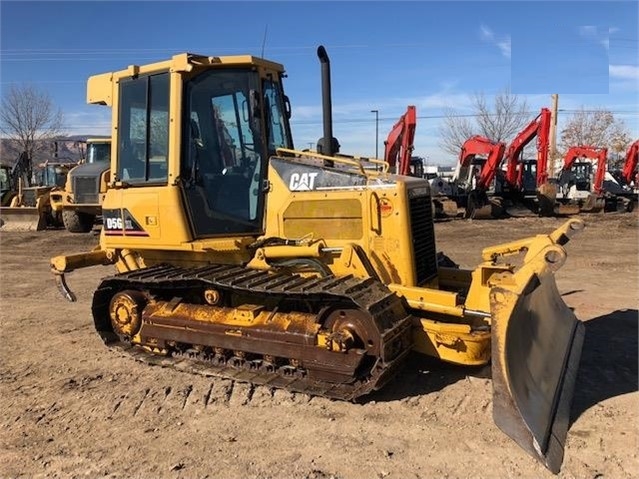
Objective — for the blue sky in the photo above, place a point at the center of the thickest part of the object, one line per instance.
(384, 55)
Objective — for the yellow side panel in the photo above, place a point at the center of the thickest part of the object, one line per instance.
(156, 210)
(336, 219)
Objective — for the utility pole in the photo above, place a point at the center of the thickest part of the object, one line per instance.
(553, 136)
(376, 132)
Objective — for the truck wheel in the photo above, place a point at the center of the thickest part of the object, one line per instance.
(76, 222)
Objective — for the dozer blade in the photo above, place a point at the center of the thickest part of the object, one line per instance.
(536, 347)
(22, 218)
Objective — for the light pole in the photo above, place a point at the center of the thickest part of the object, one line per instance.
(376, 132)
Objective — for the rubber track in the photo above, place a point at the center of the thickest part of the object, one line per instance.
(367, 294)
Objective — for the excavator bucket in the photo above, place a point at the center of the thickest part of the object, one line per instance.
(21, 218)
(536, 348)
(547, 199)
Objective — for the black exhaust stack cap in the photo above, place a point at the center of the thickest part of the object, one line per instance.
(327, 145)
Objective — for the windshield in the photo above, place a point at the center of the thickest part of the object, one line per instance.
(98, 152)
(53, 175)
(582, 170)
(277, 132)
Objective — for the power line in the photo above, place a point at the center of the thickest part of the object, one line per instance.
(421, 117)
(463, 115)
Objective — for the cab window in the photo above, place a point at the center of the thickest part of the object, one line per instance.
(144, 129)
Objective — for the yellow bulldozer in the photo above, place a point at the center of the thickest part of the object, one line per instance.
(237, 255)
(79, 202)
(30, 206)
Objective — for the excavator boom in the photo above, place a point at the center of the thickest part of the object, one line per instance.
(540, 128)
(630, 166)
(398, 147)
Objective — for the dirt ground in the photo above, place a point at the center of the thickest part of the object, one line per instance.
(71, 408)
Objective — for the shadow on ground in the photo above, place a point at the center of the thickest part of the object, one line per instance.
(422, 375)
(608, 367)
(609, 360)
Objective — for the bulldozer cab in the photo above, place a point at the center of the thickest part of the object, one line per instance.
(233, 115)
(52, 175)
(235, 120)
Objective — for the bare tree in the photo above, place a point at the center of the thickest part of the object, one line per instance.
(499, 122)
(597, 128)
(454, 131)
(507, 117)
(28, 116)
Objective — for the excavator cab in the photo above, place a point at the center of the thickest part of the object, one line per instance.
(583, 172)
(305, 270)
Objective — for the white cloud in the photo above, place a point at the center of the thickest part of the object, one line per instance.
(624, 72)
(505, 47)
(501, 42)
(587, 30)
(486, 33)
(591, 32)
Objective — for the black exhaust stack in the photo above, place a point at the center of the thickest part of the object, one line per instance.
(327, 145)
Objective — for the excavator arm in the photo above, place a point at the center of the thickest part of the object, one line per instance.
(540, 128)
(399, 144)
(630, 166)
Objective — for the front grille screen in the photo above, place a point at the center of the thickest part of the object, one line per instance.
(423, 238)
(85, 189)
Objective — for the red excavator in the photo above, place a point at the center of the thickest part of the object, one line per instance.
(479, 162)
(398, 147)
(579, 184)
(518, 169)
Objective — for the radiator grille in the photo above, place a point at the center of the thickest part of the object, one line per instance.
(85, 189)
(29, 197)
(423, 237)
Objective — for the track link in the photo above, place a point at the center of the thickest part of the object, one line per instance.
(385, 310)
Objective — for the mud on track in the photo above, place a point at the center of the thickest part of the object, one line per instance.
(71, 408)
